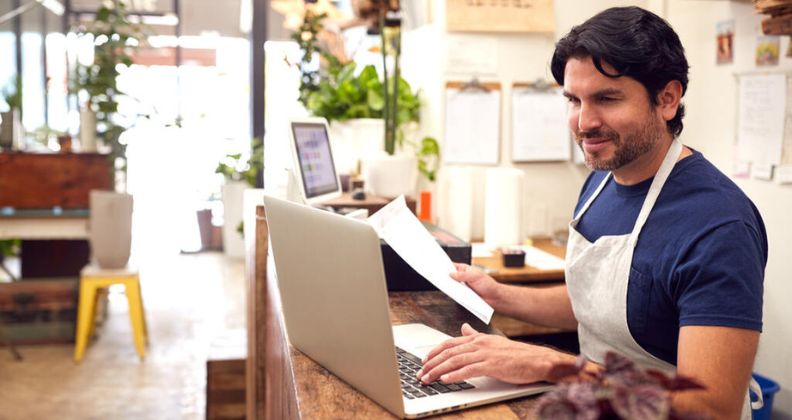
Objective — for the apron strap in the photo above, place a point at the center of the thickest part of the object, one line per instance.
(654, 190)
(591, 198)
(754, 386)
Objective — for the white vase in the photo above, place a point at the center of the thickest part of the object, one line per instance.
(87, 129)
(233, 193)
(111, 228)
(390, 175)
(353, 140)
(11, 135)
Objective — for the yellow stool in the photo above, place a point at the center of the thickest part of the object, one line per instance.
(93, 278)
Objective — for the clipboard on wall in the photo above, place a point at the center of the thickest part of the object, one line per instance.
(539, 123)
(472, 122)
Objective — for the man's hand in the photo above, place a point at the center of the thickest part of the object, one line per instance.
(548, 306)
(484, 285)
(476, 354)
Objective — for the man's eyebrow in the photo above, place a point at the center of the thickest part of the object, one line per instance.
(568, 95)
(608, 92)
(599, 93)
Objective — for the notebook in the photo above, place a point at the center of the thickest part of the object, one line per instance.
(335, 307)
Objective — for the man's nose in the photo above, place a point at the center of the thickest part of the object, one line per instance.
(588, 118)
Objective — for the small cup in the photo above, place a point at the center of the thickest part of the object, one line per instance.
(513, 258)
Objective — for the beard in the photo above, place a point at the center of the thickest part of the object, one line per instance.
(629, 148)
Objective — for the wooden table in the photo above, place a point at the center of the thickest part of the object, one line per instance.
(282, 383)
(525, 274)
(529, 277)
(372, 203)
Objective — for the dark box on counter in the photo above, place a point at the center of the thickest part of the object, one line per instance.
(400, 277)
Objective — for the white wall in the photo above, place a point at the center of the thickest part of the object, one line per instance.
(552, 188)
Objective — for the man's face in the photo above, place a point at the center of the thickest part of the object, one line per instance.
(612, 119)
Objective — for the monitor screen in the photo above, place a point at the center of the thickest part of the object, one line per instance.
(315, 160)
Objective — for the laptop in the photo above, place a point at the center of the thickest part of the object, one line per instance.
(335, 307)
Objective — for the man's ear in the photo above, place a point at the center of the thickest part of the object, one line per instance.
(669, 98)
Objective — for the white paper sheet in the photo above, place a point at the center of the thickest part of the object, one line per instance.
(481, 250)
(762, 108)
(472, 127)
(471, 54)
(539, 126)
(542, 260)
(407, 236)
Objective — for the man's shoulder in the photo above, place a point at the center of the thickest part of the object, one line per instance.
(698, 186)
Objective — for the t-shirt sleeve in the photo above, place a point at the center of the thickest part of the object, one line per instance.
(720, 280)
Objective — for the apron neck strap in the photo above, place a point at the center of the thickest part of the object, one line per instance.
(654, 190)
(591, 198)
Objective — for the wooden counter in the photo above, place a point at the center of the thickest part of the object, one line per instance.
(525, 274)
(282, 383)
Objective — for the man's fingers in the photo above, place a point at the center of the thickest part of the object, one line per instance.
(445, 345)
(431, 362)
(466, 276)
(468, 330)
(451, 364)
(467, 372)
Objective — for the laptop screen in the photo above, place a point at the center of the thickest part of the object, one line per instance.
(315, 159)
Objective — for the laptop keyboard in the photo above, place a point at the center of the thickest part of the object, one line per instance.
(412, 388)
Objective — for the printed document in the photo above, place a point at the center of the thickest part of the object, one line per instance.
(409, 238)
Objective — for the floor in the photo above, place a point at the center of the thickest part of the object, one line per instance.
(192, 301)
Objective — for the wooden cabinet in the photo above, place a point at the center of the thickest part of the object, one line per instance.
(47, 180)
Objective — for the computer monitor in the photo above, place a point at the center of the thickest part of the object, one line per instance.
(314, 167)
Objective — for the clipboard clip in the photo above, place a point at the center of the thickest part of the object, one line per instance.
(474, 85)
(540, 85)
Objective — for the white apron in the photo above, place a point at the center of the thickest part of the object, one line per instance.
(597, 275)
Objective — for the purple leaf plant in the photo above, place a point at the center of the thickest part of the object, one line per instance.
(621, 390)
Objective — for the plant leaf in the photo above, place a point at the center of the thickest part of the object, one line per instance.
(642, 402)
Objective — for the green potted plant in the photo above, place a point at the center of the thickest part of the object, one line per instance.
(359, 106)
(114, 38)
(8, 248)
(240, 171)
(11, 134)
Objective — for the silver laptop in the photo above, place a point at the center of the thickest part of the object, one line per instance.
(335, 307)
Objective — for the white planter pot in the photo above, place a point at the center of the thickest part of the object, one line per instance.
(11, 135)
(390, 176)
(233, 194)
(111, 228)
(87, 129)
(353, 140)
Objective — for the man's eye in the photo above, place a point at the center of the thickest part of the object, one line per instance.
(607, 99)
(573, 100)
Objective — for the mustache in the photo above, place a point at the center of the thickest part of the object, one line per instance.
(597, 133)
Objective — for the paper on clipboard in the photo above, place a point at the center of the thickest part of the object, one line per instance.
(415, 245)
(539, 127)
(762, 105)
(472, 126)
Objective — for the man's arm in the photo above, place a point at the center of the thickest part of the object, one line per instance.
(721, 358)
(548, 306)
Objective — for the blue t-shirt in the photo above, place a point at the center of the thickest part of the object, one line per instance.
(699, 260)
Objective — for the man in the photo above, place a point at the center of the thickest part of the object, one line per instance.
(666, 255)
